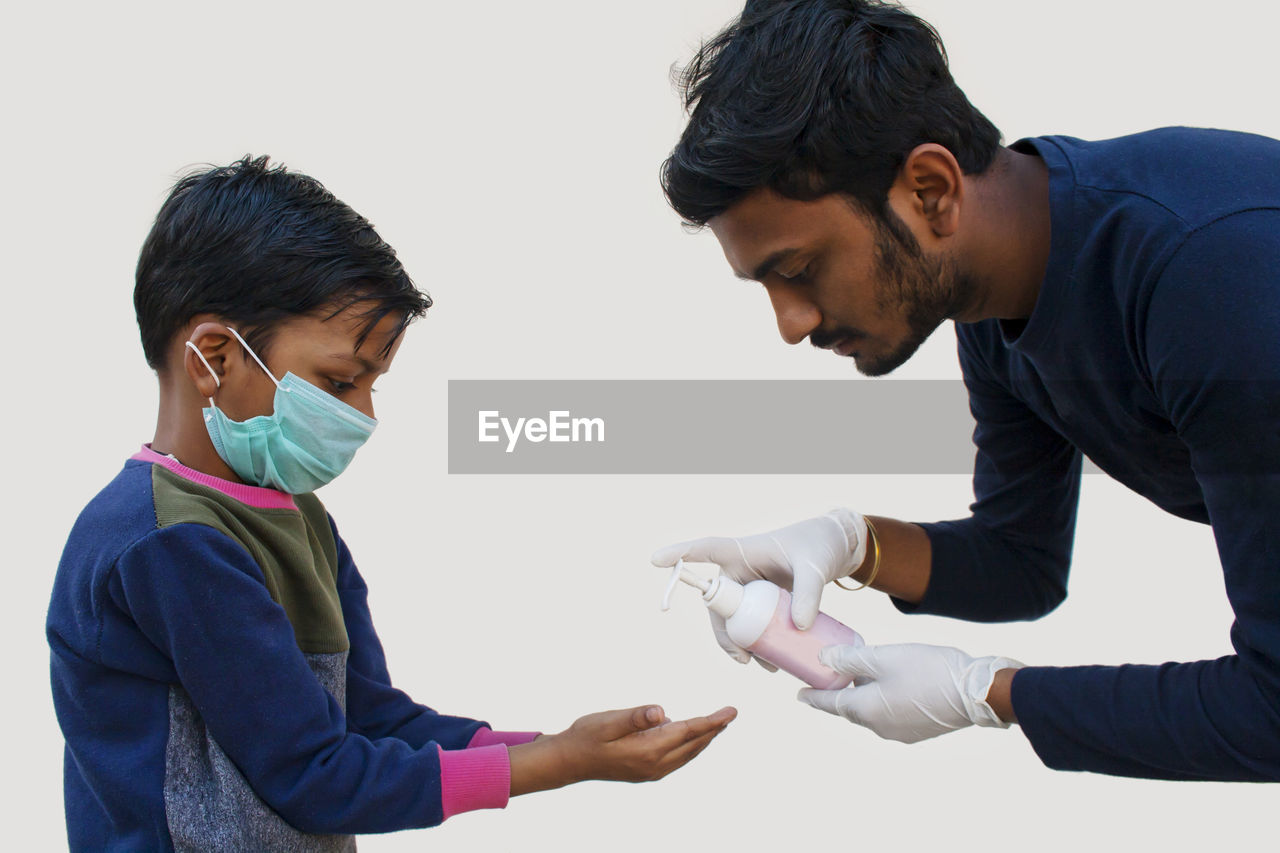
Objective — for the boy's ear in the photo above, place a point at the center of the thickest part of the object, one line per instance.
(214, 343)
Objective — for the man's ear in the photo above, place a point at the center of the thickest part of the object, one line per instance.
(205, 356)
(931, 183)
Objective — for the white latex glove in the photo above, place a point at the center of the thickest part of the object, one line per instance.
(802, 557)
(910, 692)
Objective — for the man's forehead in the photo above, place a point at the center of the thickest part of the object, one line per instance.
(763, 228)
(748, 229)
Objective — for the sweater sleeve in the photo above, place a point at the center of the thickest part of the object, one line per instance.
(1210, 334)
(1009, 560)
(200, 598)
(377, 709)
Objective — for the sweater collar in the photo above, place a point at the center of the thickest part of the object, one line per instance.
(255, 496)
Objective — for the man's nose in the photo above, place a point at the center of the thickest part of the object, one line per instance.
(797, 314)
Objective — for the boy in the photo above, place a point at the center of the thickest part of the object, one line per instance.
(215, 669)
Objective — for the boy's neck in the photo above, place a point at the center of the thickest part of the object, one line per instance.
(180, 430)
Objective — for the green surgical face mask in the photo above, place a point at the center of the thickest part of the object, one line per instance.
(309, 438)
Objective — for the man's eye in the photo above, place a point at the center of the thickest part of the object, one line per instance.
(800, 277)
(341, 387)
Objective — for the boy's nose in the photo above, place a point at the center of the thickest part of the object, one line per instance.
(797, 315)
(364, 405)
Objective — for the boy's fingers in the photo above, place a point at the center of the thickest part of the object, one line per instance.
(642, 718)
(674, 734)
(695, 745)
(718, 719)
(687, 751)
(727, 714)
(612, 725)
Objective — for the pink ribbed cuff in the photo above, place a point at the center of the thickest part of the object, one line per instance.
(488, 737)
(252, 495)
(471, 779)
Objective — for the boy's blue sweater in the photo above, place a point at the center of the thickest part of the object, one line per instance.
(219, 682)
(1154, 349)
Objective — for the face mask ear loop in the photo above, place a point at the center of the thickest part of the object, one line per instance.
(255, 357)
(195, 349)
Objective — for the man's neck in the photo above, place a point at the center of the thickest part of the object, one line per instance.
(1008, 247)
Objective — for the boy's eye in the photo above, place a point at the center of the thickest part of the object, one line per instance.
(800, 276)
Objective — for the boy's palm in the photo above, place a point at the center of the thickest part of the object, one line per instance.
(638, 744)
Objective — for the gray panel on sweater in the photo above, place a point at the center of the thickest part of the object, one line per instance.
(209, 804)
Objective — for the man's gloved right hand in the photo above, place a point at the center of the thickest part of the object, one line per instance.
(802, 557)
(910, 691)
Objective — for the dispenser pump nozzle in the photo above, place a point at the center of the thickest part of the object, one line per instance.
(721, 594)
(680, 573)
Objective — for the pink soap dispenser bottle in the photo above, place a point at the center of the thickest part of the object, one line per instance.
(757, 617)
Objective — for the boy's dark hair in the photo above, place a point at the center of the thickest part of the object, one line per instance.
(257, 244)
(812, 97)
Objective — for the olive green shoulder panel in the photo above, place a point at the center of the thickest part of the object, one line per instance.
(294, 549)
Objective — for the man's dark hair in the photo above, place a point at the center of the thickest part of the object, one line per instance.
(812, 97)
(257, 244)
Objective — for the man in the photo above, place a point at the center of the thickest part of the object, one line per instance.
(1116, 299)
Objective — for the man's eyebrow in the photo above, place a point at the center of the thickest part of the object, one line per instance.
(768, 264)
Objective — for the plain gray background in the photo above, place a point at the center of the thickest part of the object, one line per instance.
(510, 152)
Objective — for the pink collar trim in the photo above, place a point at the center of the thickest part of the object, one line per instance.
(255, 496)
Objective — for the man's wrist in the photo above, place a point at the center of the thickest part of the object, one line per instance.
(978, 687)
(1000, 696)
(905, 558)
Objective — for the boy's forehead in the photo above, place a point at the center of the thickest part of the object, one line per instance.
(347, 334)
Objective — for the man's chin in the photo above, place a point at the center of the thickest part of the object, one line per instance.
(881, 365)
(873, 368)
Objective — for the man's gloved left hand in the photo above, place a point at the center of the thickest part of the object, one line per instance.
(910, 692)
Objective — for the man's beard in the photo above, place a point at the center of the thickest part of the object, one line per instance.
(921, 290)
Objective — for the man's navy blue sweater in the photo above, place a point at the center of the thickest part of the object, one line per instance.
(1153, 349)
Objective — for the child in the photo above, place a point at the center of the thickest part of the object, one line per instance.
(215, 669)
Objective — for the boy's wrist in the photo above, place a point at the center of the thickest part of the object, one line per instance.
(542, 764)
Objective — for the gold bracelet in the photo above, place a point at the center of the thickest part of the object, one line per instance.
(875, 560)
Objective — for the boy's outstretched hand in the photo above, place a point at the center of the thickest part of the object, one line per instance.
(633, 745)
